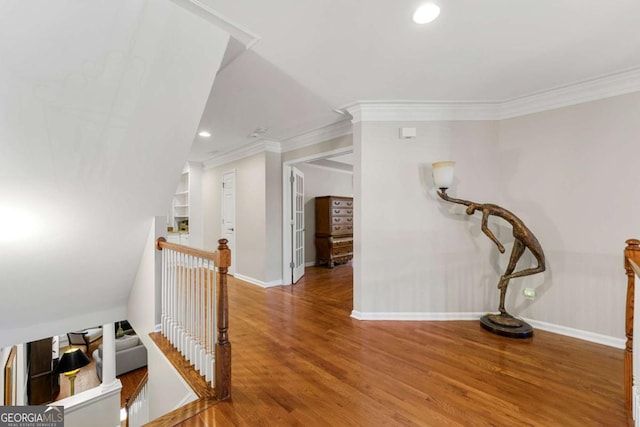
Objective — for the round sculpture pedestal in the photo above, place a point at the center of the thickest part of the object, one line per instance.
(506, 325)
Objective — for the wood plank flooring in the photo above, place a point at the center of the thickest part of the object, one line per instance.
(299, 359)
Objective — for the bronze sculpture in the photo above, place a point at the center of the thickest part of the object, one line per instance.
(504, 323)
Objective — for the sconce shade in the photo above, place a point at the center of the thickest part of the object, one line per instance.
(72, 359)
(443, 174)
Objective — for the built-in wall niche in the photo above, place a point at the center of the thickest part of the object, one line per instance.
(184, 222)
(180, 204)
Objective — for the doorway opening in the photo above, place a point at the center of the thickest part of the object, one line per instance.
(322, 174)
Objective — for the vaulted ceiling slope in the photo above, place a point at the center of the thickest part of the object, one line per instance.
(315, 56)
(99, 102)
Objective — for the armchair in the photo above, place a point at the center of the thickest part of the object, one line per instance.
(86, 337)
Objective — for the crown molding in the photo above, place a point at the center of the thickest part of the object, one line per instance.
(324, 133)
(420, 111)
(238, 32)
(257, 147)
(601, 87)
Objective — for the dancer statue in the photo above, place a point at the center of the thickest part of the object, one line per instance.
(504, 323)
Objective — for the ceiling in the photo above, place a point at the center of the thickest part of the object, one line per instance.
(316, 56)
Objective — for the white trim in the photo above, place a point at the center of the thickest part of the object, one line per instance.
(593, 89)
(325, 133)
(318, 156)
(602, 87)
(544, 326)
(415, 316)
(310, 264)
(329, 168)
(419, 111)
(238, 32)
(258, 282)
(248, 150)
(578, 333)
(89, 397)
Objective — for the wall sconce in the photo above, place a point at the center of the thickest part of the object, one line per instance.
(70, 363)
(443, 175)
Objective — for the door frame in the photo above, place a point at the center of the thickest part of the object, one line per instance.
(234, 252)
(286, 204)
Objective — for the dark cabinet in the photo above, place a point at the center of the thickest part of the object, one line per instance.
(334, 230)
(43, 385)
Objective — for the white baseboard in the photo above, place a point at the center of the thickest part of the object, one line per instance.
(310, 264)
(578, 333)
(549, 327)
(258, 282)
(415, 316)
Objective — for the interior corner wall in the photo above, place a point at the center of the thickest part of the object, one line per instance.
(573, 173)
(413, 252)
(249, 254)
(320, 182)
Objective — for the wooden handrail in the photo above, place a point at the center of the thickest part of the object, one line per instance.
(135, 394)
(221, 257)
(631, 253)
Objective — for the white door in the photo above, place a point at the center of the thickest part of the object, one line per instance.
(229, 214)
(297, 224)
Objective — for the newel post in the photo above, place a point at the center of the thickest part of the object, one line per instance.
(632, 251)
(223, 346)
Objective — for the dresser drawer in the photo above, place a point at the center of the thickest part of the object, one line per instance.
(337, 220)
(340, 250)
(341, 203)
(342, 211)
(344, 242)
(342, 229)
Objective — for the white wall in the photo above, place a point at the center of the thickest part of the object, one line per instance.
(414, 253)
(320, 182)
(572, 173)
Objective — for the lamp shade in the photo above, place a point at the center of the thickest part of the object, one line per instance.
(72, 359)
(443, 174)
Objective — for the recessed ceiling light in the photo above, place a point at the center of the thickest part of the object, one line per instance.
(426, 13)
(204, 134)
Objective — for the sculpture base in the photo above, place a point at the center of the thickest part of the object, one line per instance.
(506, 325)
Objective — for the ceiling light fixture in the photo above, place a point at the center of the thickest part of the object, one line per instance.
(204, 134)
(426, 13)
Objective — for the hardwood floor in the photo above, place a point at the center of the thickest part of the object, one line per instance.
(299, 359)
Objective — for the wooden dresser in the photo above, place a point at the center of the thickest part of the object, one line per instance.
(334, 230)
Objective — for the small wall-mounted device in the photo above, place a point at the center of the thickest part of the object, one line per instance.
(407, 133)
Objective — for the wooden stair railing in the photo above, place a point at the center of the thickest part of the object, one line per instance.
(631, 254)
(194, 305)
(137, 399)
